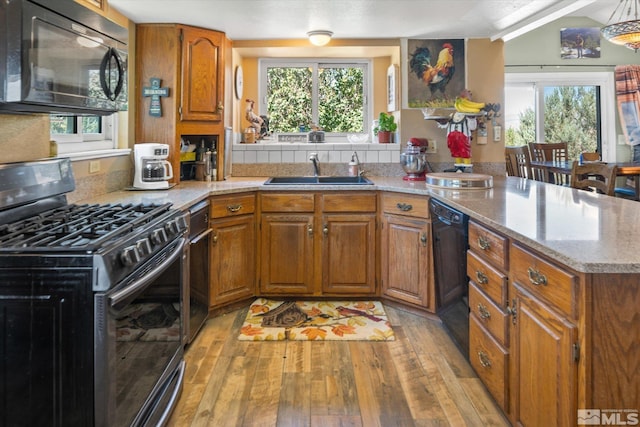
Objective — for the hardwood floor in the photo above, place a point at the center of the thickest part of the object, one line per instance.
(420, 379)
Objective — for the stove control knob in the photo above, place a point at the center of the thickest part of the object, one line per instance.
(130, 255)
(144, 246)
(158, 236)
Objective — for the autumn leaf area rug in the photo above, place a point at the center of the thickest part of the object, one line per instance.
(272, 320)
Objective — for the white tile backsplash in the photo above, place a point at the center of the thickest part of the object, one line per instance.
(274, 152)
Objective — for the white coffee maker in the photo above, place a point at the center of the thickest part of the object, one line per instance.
(152, 170)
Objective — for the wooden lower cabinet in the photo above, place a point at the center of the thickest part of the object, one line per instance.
(318, 244)
(406, 256)
(286, 254)
(544, 364)
(406, 270)
(349, 254)
(233, 249)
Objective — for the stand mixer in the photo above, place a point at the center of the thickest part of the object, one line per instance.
(152, 170)
(414, 159)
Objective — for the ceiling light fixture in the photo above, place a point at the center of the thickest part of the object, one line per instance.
(319, 37)
(625, 32)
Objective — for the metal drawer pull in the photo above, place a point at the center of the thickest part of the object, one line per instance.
(482, 278)
(483, 243)
(484, 313)
(423, 239)
(404, 207)
(484, 359)
(234, 208)
(536, 277)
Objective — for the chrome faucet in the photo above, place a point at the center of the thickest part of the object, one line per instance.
(313, 157)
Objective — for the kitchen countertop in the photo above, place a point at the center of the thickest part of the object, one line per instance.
(588, 232)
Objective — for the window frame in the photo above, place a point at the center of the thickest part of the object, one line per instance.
(315, 63)
(82, 144)
(605, 80)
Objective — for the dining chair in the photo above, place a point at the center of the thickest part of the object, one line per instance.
(590, 157)
(599, 177)
(518, 161)
(546, 152)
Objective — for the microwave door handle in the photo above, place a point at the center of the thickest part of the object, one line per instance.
(106, 60)
(123, 295)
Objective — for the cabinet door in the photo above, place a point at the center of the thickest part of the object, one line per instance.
(406, 260)
(202, 74)
(349, 254)
(286, 254)
(233, 261)
(544, 366)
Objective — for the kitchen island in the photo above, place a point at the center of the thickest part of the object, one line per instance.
(558, 329)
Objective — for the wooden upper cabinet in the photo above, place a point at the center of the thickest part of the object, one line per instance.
(202, 74)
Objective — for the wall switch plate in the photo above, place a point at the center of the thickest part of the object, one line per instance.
(432, 148)
(94, 166)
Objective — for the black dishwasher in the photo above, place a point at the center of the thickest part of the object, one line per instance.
(197, 289)
(450, 231)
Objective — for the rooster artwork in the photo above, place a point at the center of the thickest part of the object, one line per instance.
(436, 76)
(440, 75)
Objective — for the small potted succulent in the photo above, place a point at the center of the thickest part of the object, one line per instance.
(386, 126)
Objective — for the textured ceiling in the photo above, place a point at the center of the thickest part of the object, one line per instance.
(292, 19)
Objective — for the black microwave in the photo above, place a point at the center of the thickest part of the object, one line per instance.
(59, 57)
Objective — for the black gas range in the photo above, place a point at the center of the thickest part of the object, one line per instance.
(90, 304)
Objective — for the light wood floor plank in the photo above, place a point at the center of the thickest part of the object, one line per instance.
(421, 379)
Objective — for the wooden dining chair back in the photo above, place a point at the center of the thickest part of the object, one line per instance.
(591, 157)
(599, 177)
(518, 161)
(547, 152)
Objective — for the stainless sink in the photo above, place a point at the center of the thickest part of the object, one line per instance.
(318, 180)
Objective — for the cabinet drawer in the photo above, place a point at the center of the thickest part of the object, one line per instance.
(488, 314)
(490, 361)
(235, 205)
(492, 281)
(544, 279)
(349, 202)
(405, 204)
(488, 244)
(287, 202)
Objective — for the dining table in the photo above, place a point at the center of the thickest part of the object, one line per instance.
(563, 167)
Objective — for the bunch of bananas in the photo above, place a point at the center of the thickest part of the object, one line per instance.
(464, 105)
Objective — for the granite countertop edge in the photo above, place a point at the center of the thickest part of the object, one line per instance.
(487, 206)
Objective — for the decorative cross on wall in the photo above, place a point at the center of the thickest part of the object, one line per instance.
(155, 92)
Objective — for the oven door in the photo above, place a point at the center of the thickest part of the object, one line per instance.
(139, 345)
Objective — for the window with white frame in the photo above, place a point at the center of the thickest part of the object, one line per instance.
(332, 94)
(84, 134)
(577, 108)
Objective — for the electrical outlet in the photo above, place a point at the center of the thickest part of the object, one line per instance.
(94, 166)
(432, 148)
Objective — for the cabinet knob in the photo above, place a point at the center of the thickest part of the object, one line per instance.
(536, 278)
(215, 238)
(220, 106)
(423, 239)
(483, 243)
(485, 362)
(325, 229)
(404, 207)
(512, 311)
(483, 312)
(310, 230)
(482, 278)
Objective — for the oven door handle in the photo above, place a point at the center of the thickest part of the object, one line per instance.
(122, 295)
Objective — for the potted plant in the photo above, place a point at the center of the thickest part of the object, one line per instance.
(386, 126)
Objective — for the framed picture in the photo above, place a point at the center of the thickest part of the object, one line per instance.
(392, 88)
(580, 43)
(435, 72)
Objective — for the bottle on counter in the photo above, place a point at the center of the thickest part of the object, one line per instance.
(207, 165)
(214, 164)
(200, 151)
